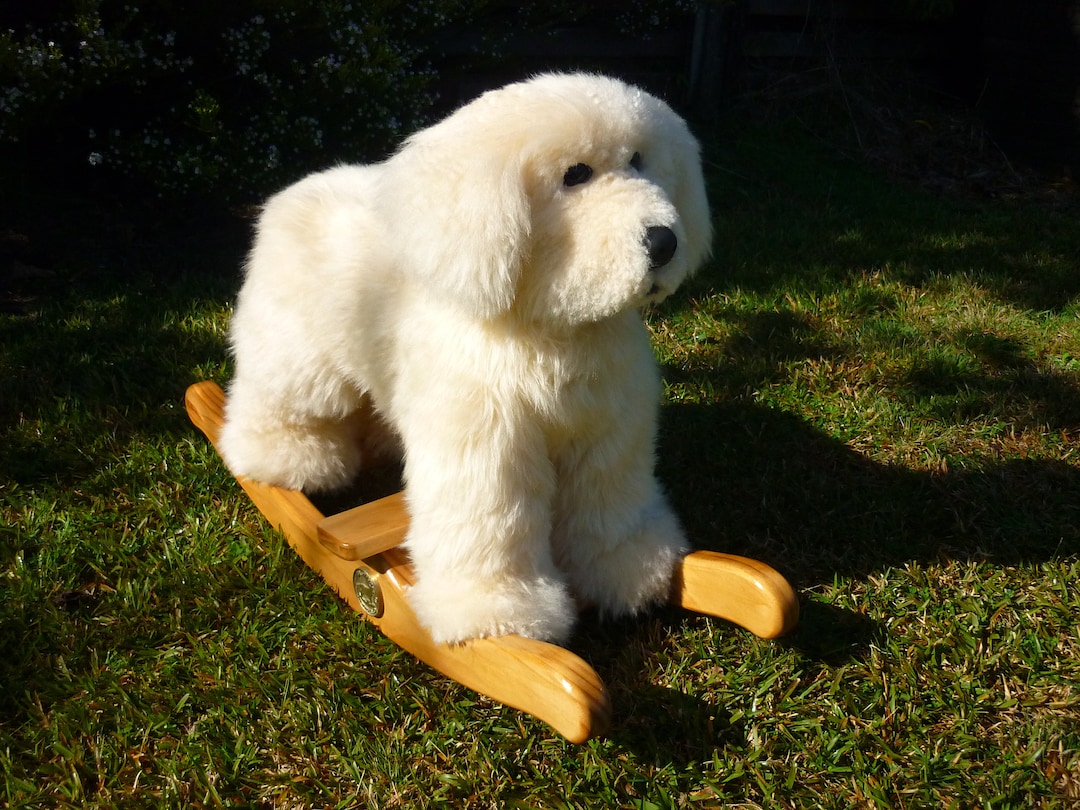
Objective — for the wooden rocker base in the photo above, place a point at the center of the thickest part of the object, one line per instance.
(358, 553)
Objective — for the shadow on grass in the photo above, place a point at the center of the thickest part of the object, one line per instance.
(689, 721)
(103, 352)
(670, 727)
(789, 209)
(768, 485)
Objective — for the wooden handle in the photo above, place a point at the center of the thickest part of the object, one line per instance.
(542, 679)
(366, 530)
(740, 590)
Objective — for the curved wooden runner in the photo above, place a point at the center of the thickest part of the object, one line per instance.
(358, 553)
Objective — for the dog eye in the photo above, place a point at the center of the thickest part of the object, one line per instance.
(635, 161)
(577, 174)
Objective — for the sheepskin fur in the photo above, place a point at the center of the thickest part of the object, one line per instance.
(483, 297)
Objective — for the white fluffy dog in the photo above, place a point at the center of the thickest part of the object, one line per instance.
(480, 290)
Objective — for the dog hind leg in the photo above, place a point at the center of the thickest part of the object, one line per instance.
(271, 439)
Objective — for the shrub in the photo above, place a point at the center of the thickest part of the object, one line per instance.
(229, 100)
(220, 99)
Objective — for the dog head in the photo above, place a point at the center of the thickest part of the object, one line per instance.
(564, 199)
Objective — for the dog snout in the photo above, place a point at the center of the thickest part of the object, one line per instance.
(661, 243)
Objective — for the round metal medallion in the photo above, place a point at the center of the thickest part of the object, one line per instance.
(368, 591)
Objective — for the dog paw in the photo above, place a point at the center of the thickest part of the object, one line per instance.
(319, 457)
(634, 573)
(456, 610)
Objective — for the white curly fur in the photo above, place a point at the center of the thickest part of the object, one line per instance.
(490, 315)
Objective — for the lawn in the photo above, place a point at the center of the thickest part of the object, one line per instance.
(872, 388)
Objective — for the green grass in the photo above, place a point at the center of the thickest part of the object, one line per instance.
(875, 390)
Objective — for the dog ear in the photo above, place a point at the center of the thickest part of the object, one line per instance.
(462, 217)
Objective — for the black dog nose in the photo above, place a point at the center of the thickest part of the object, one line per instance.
(661, 244)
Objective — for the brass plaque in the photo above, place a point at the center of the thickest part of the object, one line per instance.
(368, 591)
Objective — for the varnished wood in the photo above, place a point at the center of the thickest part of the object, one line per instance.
(365, 530)
(738, 589)
(542, 679)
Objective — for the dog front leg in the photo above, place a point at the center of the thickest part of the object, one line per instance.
(616, 535)
(479, 499)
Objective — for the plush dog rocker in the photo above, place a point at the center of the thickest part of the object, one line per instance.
(473, 302)
(481, 292)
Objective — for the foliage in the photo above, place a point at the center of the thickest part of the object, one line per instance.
(871, 388)
(232, 100)
(926, 9)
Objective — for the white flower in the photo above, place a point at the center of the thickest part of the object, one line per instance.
(96, 159)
